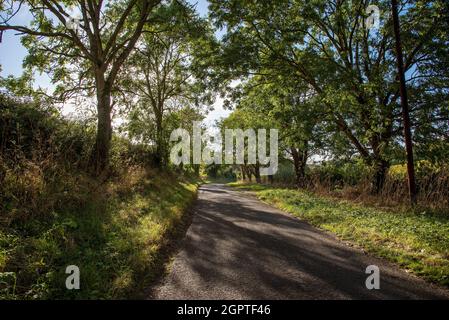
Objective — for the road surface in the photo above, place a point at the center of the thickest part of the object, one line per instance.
(237, 247)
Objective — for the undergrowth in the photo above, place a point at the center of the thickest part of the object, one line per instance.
(112, 232)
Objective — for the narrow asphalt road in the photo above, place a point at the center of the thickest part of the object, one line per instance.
(240, 248)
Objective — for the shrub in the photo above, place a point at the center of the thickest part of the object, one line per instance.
(53, 213)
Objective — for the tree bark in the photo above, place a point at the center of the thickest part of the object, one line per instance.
(404, 104)
(299, 163)
(257, 173)
(197, 169)
(160, 150)
(380, 173)
(249, 173)
(242, 169)
(100, 152)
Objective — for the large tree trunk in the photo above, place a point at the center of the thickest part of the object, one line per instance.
(380, 174)
(197, 169)
(242, 169)
(249, 173)
(299, 163)
(100, 153)
(404, 103)
(160, 150)
(257, 172)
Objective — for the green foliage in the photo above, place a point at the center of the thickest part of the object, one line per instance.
(348, 72)
(215, 172)
(308, 68)
(53, 214)
(167, 74)
(286, 173)
(340, 173)
(114, 233)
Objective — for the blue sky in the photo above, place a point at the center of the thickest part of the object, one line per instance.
(11, 50)
(12, 54)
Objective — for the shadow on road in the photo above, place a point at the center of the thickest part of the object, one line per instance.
(240, 248)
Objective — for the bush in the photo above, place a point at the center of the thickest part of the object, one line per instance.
(220, 172)
(54, 214)
(35, 132)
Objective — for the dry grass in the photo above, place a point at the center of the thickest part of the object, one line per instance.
(353, 182)
(54, 214)
(433, 191)
(113, 231)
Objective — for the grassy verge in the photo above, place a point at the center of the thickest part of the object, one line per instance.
(418, 242)
(113, 232)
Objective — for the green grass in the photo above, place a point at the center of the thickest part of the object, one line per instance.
(114, 234)
(416, 241)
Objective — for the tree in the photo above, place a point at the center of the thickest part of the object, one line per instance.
(404, 103)
(289, 106)
(327, 45)
(164, 73)
(251, 114)
(95, 48)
